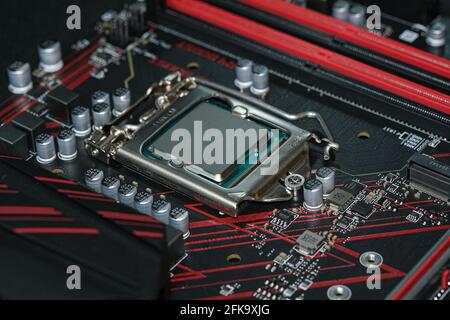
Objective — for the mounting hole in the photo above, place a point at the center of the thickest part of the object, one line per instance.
(339, 292)
(58, 171)
(371, 259)
(193, 65)
(234, 258)
(363, 135)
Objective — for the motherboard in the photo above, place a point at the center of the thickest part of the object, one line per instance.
(356, 123)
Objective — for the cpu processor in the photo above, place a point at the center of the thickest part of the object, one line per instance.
(214, 144)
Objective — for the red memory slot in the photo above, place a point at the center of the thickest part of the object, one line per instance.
(307, 51)
(422, 270)
(355, 35)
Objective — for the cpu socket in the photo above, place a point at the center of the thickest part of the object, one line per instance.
(145, 136)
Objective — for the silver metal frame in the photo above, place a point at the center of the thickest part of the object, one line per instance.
(123, 141)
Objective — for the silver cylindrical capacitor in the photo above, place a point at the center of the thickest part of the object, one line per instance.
(357, 15)
(340, 10)
(244, 70)
(101, 113)
(127, 191)
(313, 195)
(326, 175)
(45, 148)
(50, 56)
(179, 219)
(93, 179)
(436, 34)
(100, 97)
(161, 209)
(121, 100)
(19, 76)
(67, 145)
(143, 202)
(110, 187)
(81, 120)
(260, 80)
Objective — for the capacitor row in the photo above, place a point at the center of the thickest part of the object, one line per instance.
(46, 149)
(315, 189)
(253, 76)
(356, 15)
(81, 119)
(19, 73)
(101, 110)
(142, 201)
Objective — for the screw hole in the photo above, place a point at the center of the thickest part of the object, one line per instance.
(193, 65)
(363, 135)
(234, 258)
(58, 171)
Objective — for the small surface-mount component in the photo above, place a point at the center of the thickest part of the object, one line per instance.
(414, 216)
(143, 202)
(309, 243)
(326, 175)
(93, 179)
(161, 209)
(67, 145)
(340, 199)
(313, 195)
(289, 292)
(19, 76)
(13, 141)
(110, 187)
(45, 148)
(101, 113)
(50, 56)
(60, 103)
(179, 219)
(344, 222)
(226, 290)
(281, 258)
(31, 125)
(354, 188)
(243, 71)
(305, 284)
(429, 175)
(81, 120)
(395, 191)
(283, 218)
(362, 209)
(38, 109)
(127, 191)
